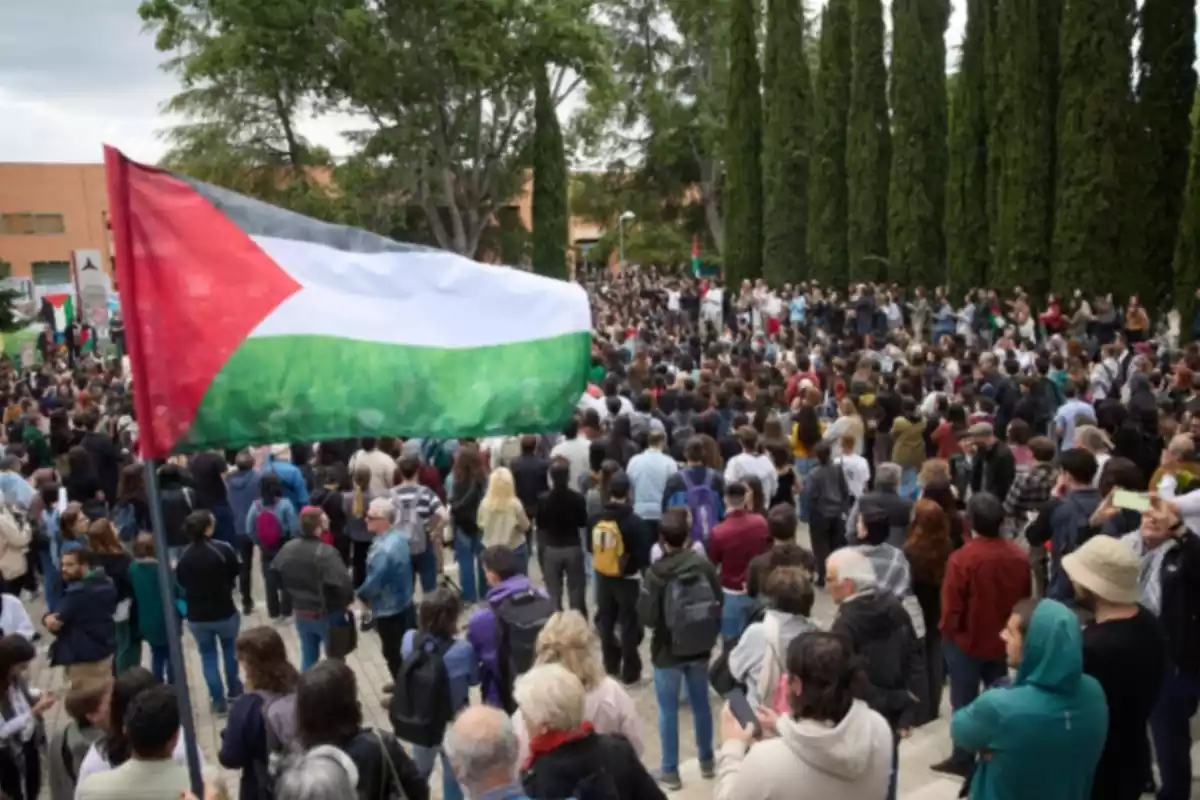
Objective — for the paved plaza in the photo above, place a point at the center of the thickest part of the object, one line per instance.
(928, 744)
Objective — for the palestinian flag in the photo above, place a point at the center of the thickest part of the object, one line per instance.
(695, 255)
(250, 324)
(64, 309)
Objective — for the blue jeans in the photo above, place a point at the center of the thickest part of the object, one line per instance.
(803, 467)
(207, 635)
(470, 568)
(424, 758)
(52, 581)
(313, 634)
(694, 676)
(966, 673)
(522, 554)
(735, 614)
(160, 663)
(425, 566)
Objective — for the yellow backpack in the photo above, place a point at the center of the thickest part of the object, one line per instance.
(608, 548)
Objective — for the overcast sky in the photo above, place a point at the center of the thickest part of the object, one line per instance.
(76, 74)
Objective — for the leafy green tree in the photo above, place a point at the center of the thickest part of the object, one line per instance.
(551, 221)
(827, 244)
(1166, 90)
(868, 144)
(743, 149)
(1024, 224)
(966, 221)
(787, 92)
(10, 319)
(1187, 244)
(917, 187)
(1093, 112)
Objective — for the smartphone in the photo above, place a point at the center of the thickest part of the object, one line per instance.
(1134, 501)
(743, 712)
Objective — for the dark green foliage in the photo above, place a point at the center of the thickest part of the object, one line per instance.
(1093, 111)
(1166, 90)
(967, 242)
(828, 258)
(785, 156)
(917, 189)
(551, 226)
(743, 149)
(868, 144)
(1187, 245)
(1024, 222)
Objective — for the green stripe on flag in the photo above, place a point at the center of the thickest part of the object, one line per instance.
(309, 388)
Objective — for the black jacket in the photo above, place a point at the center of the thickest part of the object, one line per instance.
(530, 478)
(1180, 614)
(375, 774)
(106, 460)
(207, 572)
(994, 471)
(561, 515)
(881, 632)
(633, 531)
(595, 767)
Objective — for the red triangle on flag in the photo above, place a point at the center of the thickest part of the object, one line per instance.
(193, 287)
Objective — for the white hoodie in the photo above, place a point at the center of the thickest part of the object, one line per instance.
(811, 761)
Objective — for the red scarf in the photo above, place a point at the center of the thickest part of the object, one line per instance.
(545, 743)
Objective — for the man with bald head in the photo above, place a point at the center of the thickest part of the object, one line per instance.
(482, 748)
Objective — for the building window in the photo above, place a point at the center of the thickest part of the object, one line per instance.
(23, 224)
(51, 273)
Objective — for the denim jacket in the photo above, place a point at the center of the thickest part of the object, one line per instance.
(289, 520)
(389, 583)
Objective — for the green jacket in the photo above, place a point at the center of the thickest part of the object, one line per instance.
(143, 576)
(37, 447)
(650, 599)
(1045, 733)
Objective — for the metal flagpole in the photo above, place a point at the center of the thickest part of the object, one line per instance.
(166, 585)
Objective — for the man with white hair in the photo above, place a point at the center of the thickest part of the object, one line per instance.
(388, 587)
(882, 634)
(482, 748)
(567, 758)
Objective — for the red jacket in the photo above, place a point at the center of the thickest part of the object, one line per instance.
(742, 536)
(984, 580)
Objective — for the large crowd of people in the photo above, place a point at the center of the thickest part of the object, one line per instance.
(998, 497)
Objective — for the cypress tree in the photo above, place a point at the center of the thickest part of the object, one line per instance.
(743, 150)
(967, 242)
(1187, 244)
(868, 144)
(917, 188)
(1166, 91)
(551, 223)
(785, 158)
(1093, 111)
(827, 244)
(1025, 195)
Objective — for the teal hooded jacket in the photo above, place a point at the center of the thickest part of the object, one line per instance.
(1044, 733)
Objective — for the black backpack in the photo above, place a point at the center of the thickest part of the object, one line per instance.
(692, 613)
(421, 704)
(520, 618)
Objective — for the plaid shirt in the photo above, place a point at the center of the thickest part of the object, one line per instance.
(1030, 491)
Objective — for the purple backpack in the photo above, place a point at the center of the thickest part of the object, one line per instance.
(702, 501)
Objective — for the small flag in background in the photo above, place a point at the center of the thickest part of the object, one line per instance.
(250, 324)
(695, 255)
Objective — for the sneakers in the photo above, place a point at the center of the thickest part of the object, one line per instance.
(953, 766)
(668, 780)
(708, 770)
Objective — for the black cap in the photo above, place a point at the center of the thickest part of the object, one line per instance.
(618, 484)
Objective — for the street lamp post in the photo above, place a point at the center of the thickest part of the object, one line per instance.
(627, 216)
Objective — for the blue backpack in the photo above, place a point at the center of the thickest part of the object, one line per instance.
(703, 501)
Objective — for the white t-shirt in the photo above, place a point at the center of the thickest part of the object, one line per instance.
(744, 464)
(672, 300)
(713, 300)
(857, 472)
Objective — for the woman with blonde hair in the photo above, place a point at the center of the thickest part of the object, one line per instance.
(502, 518)
(567, 639)
(848, 423)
